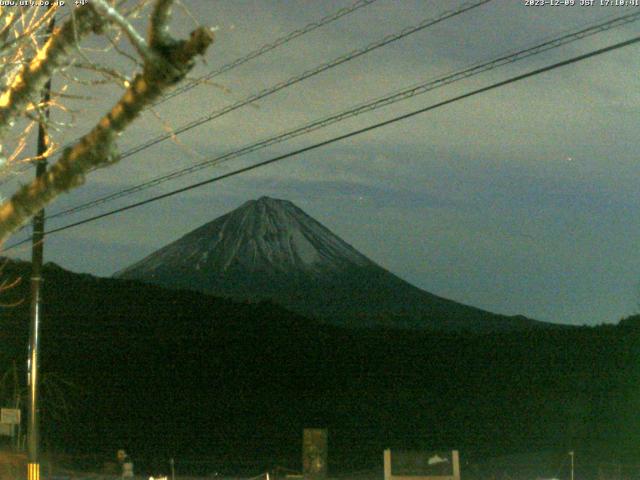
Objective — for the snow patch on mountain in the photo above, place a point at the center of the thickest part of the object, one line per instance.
(269, 249)
(267, 234)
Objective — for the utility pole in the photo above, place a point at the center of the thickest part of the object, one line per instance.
(572, 464)
(37, 254)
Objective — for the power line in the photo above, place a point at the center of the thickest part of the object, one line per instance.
(305, 75)
(267, 48)
(310, 27)
(426, 23)
(347, 135)
(362, 108)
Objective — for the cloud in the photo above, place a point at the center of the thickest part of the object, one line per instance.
(474, 201)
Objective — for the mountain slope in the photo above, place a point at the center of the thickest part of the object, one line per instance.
(271, 249)
(179, 374)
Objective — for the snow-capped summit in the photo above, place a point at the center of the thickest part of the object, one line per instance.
(269, 249)
(259, 236)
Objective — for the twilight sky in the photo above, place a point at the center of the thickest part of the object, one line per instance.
(522, 200)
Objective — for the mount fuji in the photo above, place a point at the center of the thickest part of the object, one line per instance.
(269, 249)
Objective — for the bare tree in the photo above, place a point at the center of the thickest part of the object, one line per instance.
(27, 64)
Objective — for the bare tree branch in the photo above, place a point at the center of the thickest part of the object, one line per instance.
(159, 25)
(113, 16)
(33, 26)
(168, 63)
(33, 75)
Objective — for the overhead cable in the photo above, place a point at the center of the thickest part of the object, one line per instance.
(305, 75)
(310, 27)
(368, 106)
(345, 136)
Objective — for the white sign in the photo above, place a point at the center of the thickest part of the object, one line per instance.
(10, 415)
